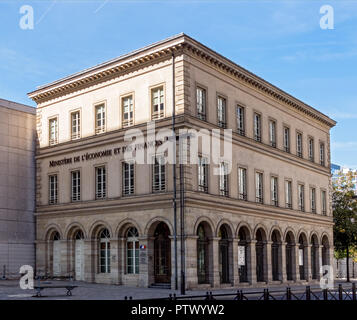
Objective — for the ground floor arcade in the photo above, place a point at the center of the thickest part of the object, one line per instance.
(222, 250)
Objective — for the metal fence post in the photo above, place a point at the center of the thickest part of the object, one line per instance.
(308, 293)
(353, 291)
(288, 293)
(266, 294)
(340, 296)
(325, 294)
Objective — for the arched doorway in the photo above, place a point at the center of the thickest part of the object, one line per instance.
(202, 255)
(56, 254)
(79, 255)
(243, 236)
(260, 254)
(289, 254)
(224, 263)
(275, 254)
(314, 257)
(325, 251)
(162, 254)
(302, 256)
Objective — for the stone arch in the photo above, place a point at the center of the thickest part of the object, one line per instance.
(152, 224)
(290, 231)
(124, 225)
(97, 226)
(72, 228)
(260, 226)
(325, 240)
(278, 230)
(302, 233)
(314, 242)
(247, 230)
(50, 229)
(207, 221)
(228, 225)
(314, 238)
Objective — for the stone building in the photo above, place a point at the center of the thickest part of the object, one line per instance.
(107, 219)
(17, 187)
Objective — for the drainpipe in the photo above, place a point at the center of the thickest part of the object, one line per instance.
(174, 168)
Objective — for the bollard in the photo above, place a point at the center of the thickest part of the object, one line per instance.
(353, 291)
(170, 296)
(288, 293)
(207, 296)
(266, 294)
(308, 293)
(4, 272)
(340, 296)
(325, 294)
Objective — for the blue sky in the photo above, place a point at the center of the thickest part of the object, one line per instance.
(280, 41)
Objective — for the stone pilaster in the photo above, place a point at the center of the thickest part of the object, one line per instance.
(308, 274)
(235, 262)
(143, 262)
(268, 270)
(90, 260)
(282, 262)
(216, 281)
(191, 262)
(251, 264)
(115, 261)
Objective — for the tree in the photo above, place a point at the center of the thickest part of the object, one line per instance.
(345, 216)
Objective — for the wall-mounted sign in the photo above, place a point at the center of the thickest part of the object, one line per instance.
(104, 153)
(241, 255)
(301, 257)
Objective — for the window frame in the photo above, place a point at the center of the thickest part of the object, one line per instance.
(288, 195)
(257, 136)
(240, 122)
(53, 141)
(104, 193)
(203, 114)
(286, 138)
(311, 150)
(157, 115)
(52, 200)
(272, 137)
(313, 199)
(299, 153)
(154, 188)
(131, 120)
(103, 127)
(130, 190)
(79, 186)
(259, 199)
(221, 123)
(301, 202)
(204, 187)
(274, 196)
(78, 134)
(243, 186)
(223, 179)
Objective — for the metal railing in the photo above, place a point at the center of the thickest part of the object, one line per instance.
(339, 293)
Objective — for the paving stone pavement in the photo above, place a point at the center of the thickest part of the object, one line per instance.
(10, 290)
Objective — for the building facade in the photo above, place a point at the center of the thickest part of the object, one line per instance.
(107, 219)
(17, 187)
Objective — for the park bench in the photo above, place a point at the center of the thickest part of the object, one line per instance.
(40, 288)
(45, 282)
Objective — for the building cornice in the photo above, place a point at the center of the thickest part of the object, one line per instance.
(162, 50)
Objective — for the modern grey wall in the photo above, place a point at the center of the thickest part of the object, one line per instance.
(17, 186)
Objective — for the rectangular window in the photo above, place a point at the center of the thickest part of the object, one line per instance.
(242, 183)
(311, 149)
(313, 200)
(223, 179)
(104, 253)
(201, 103)
(76, 185)
(272, 133)
(301, 194)
(53, 131)
(75, 125)
(157, 101)
(202, 174)
(221, 112)
(128, 178)
(259, 187)
(159, 175)
(100, 182)
(288, 194)
(323, 202)
(286, 139)
(274, 191)
(241, 120)
(53, 189)
(257, 127)
(100, 119)
(322, 154)
(299, 145)
(128, 111)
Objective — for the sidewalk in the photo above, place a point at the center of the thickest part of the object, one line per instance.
(10, 290)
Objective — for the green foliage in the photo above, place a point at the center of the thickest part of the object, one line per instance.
(344, 214)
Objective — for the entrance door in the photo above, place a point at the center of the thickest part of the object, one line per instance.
(275, 261)
(260, 261)
(162, 254)
(56, 258)
(79, 259)
(224, 261)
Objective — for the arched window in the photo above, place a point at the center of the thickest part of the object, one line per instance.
(202, 255)
(79, 235)
(132, 251)
(104, 251)
(56, 236)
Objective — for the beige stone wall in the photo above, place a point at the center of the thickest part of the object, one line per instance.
(17, 186)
